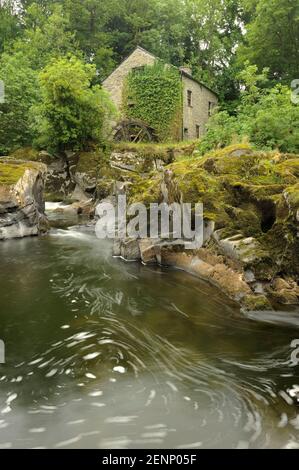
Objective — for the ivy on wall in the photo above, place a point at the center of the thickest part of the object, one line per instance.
(154, 95)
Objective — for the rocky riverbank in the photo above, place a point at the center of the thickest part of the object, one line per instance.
(251, 210)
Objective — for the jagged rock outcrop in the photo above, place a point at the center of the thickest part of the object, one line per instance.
(251, 212)
(58, 184)
(21, 199)
(80, 176)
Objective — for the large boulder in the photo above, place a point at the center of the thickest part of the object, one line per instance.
(21, 199)
(251, 218)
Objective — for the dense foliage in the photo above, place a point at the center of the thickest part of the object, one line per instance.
(272, 38)
(213, 37)
(21, 92)
(266, 117)
(153, 94)
(71, 113)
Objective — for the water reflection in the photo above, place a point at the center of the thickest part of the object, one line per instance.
(101, 353)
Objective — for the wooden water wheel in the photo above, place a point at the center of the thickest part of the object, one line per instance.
(134, 130)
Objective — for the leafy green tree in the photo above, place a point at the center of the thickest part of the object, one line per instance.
(276, 122)
(109, 30)
(266, 116)
(45, 36)
(272, 38)
(200, 33)
(214, 37)
(213, 31)
(72, 113)
(90, 34)
(21, 92)
(9, 27)
(253, 83)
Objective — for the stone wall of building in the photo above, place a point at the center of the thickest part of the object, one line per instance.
(114, 83)
(199, 112)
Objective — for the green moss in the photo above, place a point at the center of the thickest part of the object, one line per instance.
(26, 153)
(29, 154)
(245, 219)
(11, 171)
(145, 190)
(10, 174)
(89, 163)
(253, 303)
(153, 151)
(291, 165)
(155, 148)
(230, 150)
(292, 194)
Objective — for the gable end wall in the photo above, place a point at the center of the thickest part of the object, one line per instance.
(115, 82)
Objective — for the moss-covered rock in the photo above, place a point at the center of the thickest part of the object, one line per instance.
(252, 303)
(12, 170)
(89, 163)
(145, 190)
(21, 199)
(25, 153)
(248, 194)
(30, 154)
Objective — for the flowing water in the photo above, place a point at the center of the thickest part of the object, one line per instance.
(106, 354)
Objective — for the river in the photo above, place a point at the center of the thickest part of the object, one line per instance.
(106, 354)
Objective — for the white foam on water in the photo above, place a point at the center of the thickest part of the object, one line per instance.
(70, 234)
(52, 206)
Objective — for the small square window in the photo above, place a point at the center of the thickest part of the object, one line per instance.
(186, 131)
(197, 131)
(138, 69)
(189, 98)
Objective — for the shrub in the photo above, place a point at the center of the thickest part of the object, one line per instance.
(265, 116)
(21, 92)
(72, 113)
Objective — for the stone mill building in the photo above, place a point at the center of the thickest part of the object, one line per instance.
(198, 99)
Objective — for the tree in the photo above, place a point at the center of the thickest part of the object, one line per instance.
(72, 113)
(266, 116)
(109, 30)
(214, 30)
(90, 34)
(214, 37)
(272, 38)
(45, 36)
(201, 33)
(21, 92)
(9, 27)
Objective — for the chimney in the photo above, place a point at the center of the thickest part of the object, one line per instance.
(186, 69)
